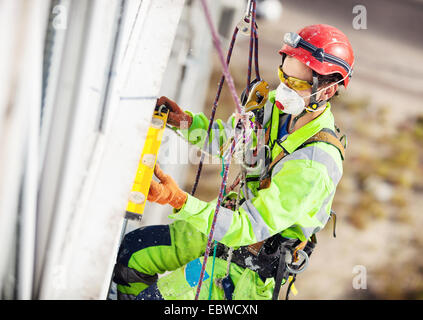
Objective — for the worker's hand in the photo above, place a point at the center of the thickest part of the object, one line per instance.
(167, 191)
(176, 114)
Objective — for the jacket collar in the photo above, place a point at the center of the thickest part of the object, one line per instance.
(298, 137)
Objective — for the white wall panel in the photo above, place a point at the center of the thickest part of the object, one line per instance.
(22, 29)
(98, 169)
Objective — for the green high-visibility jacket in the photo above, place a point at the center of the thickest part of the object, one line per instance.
(298, 201)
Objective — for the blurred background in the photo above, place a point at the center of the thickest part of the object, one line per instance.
(80, 79)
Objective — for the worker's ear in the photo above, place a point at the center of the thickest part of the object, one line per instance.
(327, 91)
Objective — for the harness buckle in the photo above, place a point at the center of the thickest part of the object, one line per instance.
(297, 268)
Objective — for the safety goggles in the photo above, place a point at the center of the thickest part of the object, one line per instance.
(294, 83)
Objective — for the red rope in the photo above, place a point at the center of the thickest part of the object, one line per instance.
(219, 201)
(239, 110)
(253, 46)
(213, 113)
(218, 47)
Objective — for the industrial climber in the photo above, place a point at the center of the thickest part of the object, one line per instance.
(279, 208)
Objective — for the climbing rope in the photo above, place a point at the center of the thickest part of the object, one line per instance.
(219, 201)
(253, 44)
(240, 113)
(244, 23)
(212, 273)
(215, 242)
(213, 113)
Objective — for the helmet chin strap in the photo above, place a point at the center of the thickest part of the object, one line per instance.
(313, 106)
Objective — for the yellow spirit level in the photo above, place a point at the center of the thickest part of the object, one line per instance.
(141, 185)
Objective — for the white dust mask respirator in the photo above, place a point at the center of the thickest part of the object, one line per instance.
(288, 100)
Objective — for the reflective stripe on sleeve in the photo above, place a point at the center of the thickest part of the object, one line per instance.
(260, 228)
(322, 216)
(223, 222)
(313, 153)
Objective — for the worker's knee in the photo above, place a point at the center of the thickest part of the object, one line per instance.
(134, 277)
(123, 275)
(143, 238)
(151, 293)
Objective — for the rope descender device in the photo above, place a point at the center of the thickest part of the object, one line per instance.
(257, 96)
(141, 186)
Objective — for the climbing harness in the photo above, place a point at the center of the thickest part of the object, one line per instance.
(278, 257)
(140, 187)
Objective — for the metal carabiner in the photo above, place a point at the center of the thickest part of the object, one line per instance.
(297, 271)
(248, 9)
(244, 25)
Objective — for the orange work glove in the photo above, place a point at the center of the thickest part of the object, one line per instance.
(167, 191)
(176, 114)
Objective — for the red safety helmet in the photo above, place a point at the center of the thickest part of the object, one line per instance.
(323, 48)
